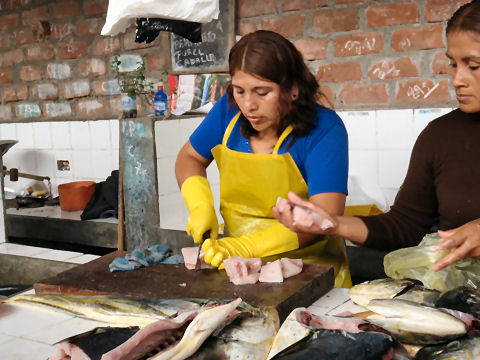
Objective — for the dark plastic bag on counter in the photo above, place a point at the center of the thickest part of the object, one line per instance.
(149, 28)
(416, 263)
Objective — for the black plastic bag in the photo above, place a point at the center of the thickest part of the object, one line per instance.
(149, 28)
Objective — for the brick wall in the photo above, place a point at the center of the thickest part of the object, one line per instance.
(55, 65)
(366, 54)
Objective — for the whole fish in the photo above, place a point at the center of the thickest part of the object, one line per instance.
(249, 335)
(463, 299)
(204, 324)
(467, 348)
(413, 323)
(339, 345)
(387, 288)
(125, 311)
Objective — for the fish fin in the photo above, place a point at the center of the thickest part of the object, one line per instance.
(362, 315)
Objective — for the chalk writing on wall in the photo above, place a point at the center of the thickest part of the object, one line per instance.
(211, 54)
(421, 91)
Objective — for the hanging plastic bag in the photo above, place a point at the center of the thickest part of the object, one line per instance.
(120, 12)
(416, 263)
(149, 28)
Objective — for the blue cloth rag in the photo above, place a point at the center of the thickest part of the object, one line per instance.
(152, 255)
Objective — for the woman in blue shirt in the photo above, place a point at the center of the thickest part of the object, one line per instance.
(268, 136)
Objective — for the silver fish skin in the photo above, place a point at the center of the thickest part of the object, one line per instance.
(124, 311)
(247, 336)
(386, 288)
(198, 331)
(420, 295)
(413, 323)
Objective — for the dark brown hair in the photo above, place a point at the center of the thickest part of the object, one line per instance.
(466, 18)
(270, 56)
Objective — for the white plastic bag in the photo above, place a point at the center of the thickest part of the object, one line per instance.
(120, 12)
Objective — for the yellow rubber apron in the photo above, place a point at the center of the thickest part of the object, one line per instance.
(249, 187)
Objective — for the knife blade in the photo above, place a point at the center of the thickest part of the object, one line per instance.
(205, 236)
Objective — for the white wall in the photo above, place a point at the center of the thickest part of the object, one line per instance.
(380, 146)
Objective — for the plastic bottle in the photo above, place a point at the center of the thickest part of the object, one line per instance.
(160, 102)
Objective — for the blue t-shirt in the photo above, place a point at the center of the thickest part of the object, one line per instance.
(321, 155)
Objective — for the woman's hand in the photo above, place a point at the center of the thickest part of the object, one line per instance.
(464, 240)
(303, 216)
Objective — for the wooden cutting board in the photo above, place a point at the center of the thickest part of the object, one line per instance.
(175, 281)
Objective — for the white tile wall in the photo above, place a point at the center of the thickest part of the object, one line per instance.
(380, 144)
(91, 147)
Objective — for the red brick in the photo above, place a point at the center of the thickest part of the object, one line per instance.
(245, 27)
(65, 9)
(157, 60)
(312, 49)
(393, 68)
(418, 38)
(291, 25)
(105, 45)
(46, 91)
(31, 17)
(5, 112)
(441, 10)
(392, 14)
(4, 41)
(90, 108)
(339, 72)
(56, 109)
(327, 97)
(326, 21)
(6, 76)
(95, 7)
(89, 27)
(74, 89)
(58, 71)
(73, 50)
(12, 57)
(102, 87)
(8, 21)
(30, 73)
(441, 64)
(358, 44)
(15, 93)
(17, 4)
(369, 94)
(423, 90)
(92, 67)
(250, 8)
(40, 52)
(130, 44)
(24, 36)
(61, 31)
(348, 1)
(288, 5)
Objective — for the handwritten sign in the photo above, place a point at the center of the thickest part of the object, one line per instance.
(210, 55)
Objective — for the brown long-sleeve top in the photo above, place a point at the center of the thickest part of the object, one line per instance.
(443, 180)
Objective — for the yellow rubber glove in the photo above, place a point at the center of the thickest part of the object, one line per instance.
(199, 200)
(275, 239)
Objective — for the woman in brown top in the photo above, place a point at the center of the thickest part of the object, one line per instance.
(443, 179)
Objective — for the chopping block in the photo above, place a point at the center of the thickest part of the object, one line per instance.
(176, 282)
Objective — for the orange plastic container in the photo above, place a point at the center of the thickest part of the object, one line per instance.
(75, 195)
